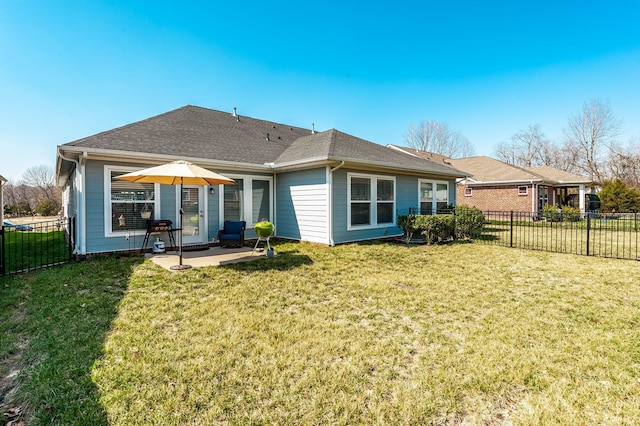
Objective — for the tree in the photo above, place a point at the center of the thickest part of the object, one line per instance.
(41, 177)
(616, 195)
(435, 137)
(34, 193)
(588, 134)
(526, 148)
(624, 164)
(43, 196)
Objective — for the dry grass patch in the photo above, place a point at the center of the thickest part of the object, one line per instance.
(355, 334)
(378, 334)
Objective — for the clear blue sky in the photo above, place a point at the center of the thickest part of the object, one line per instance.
(70, 69)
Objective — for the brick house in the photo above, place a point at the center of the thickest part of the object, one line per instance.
(491, 184)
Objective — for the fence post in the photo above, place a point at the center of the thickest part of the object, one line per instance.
(2, 250)
(455, 219)
(588, 231)
(511, 230)
(71, 235)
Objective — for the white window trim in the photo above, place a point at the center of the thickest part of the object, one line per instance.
(470, 194)
(434, 200)
(247, 199)
(108, 233)
(526, 190)
(373, 211)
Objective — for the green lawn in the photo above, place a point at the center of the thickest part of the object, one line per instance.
(31, 250)
(615, 239)
(355, 334)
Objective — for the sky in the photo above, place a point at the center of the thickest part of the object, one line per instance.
(70, 69)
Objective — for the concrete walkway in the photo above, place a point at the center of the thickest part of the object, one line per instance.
(214, 256)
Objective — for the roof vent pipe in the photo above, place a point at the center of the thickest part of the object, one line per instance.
(235, 114)
(268, 137)
(313, 128)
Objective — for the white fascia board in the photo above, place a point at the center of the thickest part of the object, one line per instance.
(350, 162)
(148, 158)
(504, 182)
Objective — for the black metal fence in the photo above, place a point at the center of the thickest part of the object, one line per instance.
(29, 246)
(590, 234)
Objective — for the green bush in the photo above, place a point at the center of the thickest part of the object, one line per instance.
(469, 220)
(571, 214)
(407, 223)
(47, 208)
(436, 228)
(551, 213)
(617, 196)
(464, 224)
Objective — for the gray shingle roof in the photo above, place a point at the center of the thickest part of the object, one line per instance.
(487, 169)
(560, 176)
(195, 132)
(336, 145)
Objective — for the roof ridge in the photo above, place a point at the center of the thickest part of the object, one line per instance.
(290, 126)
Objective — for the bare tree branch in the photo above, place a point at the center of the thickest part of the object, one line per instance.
(590, 132)
(431, 136)
(526, 148)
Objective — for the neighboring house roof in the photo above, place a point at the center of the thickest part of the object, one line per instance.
(2, 179)
(559, 176)
(216, 137)
(431, 156)
(490, 171)
(487, 169)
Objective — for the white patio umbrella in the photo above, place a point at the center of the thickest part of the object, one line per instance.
(174, 173)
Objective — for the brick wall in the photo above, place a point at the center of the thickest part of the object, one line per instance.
(496, 198)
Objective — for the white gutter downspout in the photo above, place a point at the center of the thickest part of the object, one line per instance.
(83, 205)
(330, 204)
(81, 233)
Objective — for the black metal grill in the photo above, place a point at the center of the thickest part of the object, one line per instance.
(158, 226)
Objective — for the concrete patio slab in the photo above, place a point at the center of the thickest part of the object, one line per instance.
(214, 256)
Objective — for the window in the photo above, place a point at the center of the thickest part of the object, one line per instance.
(233, 197)
(523, 190)
(433, 196)
(468, 192)
(371, 201)
(127, 203)
(249, 200)
(260, 200)
(426, 197)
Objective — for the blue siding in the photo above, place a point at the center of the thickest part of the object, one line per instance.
(96, 241)
(407, 196)
(341, 233)
(288, 223)
(94, 209)
(300, 207)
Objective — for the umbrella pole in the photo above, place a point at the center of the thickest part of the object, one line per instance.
(181, 266)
